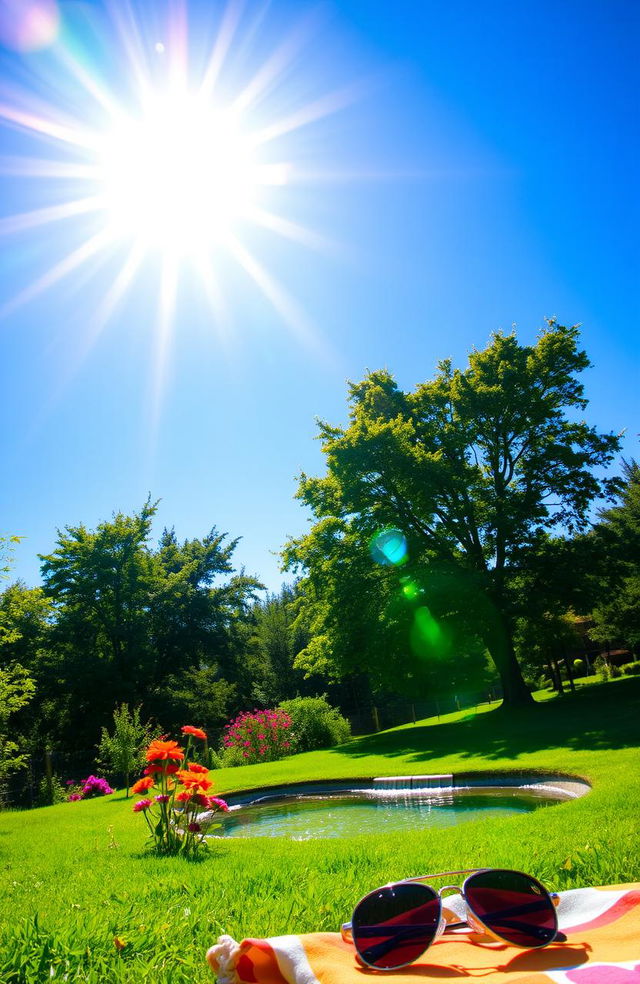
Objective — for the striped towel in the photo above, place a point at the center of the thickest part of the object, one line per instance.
(601, 925)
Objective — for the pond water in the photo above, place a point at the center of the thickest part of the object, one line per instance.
(345, 814)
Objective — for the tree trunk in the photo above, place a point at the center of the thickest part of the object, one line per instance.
(514, 690)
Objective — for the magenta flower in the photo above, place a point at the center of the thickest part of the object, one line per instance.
(163, 798)
(194, 828)
(142, 805)
(221, 804)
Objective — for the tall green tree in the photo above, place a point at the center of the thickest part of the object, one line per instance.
(128, 619)
(474, 467)
(617, 612)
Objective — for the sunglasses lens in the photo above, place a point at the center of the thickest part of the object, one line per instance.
(514, 906)
(393, 926)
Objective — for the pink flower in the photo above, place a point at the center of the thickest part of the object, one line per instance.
(75, 797)
(142, 805)
(163, 798)
(221, 804)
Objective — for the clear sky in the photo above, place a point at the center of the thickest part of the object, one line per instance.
(214, 214)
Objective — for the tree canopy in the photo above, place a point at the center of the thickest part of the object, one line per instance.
(474, 468)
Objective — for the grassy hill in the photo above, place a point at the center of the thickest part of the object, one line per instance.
(82, 900)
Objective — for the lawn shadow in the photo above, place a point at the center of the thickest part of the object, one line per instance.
(604, 716)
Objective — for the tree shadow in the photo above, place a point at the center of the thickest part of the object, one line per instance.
(599, 717)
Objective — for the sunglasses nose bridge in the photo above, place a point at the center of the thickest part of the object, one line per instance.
(449, 888)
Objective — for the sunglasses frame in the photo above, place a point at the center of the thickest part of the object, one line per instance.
(473, 920)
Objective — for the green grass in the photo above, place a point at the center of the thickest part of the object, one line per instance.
(76, 876)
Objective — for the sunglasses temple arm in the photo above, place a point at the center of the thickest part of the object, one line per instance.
(346, 932)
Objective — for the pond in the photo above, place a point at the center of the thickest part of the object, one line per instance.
(385, 805)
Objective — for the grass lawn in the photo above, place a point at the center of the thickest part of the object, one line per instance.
(80, 900)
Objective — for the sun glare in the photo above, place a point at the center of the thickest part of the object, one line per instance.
(180, 178)
(167, 154)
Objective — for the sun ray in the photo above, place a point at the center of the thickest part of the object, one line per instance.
(213, 292)
(122, 16)
(77, 135)
(88, 82)
(325, 106)
(273, 67)
(166, 308)
(118, 288)
(292, 230)
(39, 167)
(222, 44)
(279, 298)
(72, 261)
(12, 224)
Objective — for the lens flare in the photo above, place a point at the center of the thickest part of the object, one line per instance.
(389, 548)
(428, 638)
(28, 25)
(410, 589)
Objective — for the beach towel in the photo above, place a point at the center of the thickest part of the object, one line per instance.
(602, 946)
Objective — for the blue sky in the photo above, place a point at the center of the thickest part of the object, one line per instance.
(463, 167)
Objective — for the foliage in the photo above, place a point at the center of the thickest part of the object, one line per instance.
(51, 792)
(127, 618)
(174, 815)
(617, 613)
(631, 669)
(7, 545)
(16, 690)
(603, 668)
(123, 751)
(278, 636)
(315, 724)
(260, 736)
(472, 468)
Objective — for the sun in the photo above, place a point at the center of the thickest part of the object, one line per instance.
(180, 177)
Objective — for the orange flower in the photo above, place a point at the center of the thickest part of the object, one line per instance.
(194, 780)
(187, 729)
(142, 785)
(195, 767)
(162, 751)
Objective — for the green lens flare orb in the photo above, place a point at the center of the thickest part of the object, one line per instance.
(389, 547)
(410, 589)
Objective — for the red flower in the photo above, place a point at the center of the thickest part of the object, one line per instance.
(187, 729)
(194, 780)
(170, 768)
(162, 751)
(194, 767)
(183, 796)
(142, 785)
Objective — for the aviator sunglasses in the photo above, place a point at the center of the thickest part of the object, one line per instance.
(393, 926)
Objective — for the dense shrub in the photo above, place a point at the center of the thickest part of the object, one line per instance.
(602, 668)
(257, 736)
(315, 723)
(632, 669)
